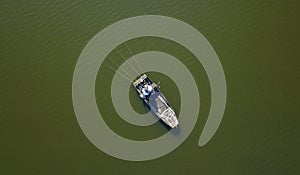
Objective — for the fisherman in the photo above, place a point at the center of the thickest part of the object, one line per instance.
(146, 91)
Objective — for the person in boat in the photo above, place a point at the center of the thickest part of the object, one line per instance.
(146, 91)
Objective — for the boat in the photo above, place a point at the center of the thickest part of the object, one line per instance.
(149, 92)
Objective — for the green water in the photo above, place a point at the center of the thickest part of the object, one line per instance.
(257, 43)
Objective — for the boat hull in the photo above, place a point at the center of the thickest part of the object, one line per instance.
(149, 92)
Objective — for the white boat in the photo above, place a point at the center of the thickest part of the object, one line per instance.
(149, 92)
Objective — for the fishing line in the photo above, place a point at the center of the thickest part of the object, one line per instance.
(139, 66)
